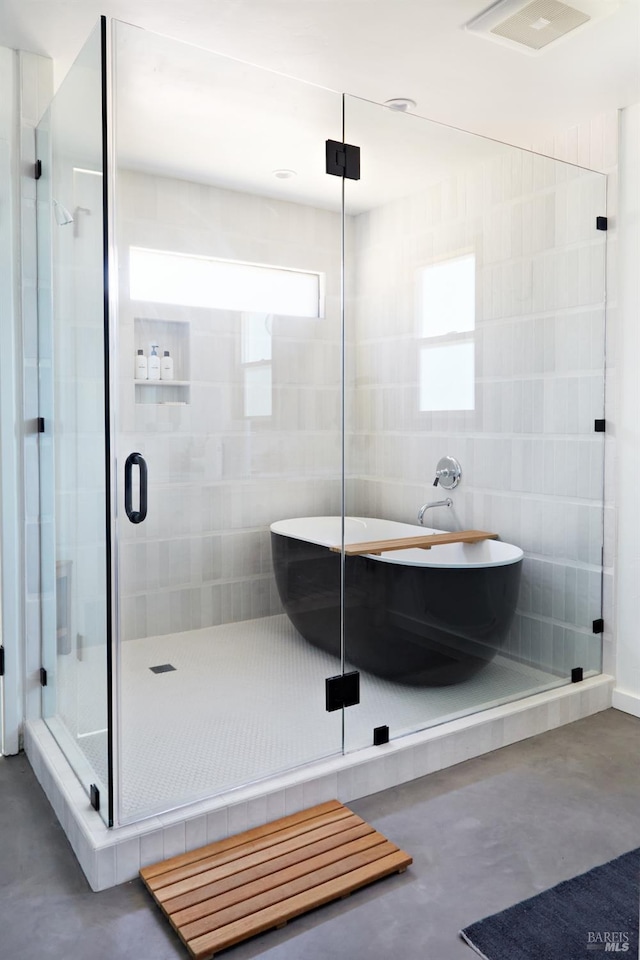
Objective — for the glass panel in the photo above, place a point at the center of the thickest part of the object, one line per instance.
(72, 448)
(238, 279)
(474, 329)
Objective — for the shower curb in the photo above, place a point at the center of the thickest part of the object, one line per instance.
(109, 857)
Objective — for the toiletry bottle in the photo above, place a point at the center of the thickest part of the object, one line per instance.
(166, 366)
(141, 366)
(154, 363)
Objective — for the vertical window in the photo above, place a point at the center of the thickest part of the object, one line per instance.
(447, 320)
(255, 357)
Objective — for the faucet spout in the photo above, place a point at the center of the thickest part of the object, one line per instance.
(435, 503)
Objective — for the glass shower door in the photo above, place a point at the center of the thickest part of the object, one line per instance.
(474, 330)
(229, 389)
(72, 438)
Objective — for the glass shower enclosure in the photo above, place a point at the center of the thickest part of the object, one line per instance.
(239, 348)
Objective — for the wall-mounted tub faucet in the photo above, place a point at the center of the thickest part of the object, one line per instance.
(436, 503)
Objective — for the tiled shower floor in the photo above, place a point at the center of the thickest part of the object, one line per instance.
(246, 701)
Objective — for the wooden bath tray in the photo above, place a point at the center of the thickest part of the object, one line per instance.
(376, 547)
(233, 889)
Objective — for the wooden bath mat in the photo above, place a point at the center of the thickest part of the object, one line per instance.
(233, 889)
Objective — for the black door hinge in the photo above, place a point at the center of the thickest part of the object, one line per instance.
(37, 171)
(342, 691)
(576, 675)
(40, 425)
(1, 661)
(602, 223)
(380, 736)
(43, 677)
(598, 625)
(343, 160)
(599, 426)
(94, 796)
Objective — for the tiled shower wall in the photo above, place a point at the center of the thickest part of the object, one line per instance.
(218, 478)
(532, 465)
(532, 471)
(594, 143)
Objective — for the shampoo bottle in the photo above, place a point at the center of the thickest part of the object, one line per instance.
(154, 363)
(166, 366)
(141, 366)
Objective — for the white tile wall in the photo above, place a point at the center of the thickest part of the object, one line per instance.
(532, 465)
(595, 142)
(218, 480)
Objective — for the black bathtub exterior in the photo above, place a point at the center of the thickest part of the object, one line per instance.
(413, 624)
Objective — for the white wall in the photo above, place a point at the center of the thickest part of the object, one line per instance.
(627, 693)
(10, 601)
(594, 144)
(532, 465)
(218, 478)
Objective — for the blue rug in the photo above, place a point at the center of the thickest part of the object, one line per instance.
(593, 914)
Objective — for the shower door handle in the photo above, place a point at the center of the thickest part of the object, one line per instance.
(137, 460)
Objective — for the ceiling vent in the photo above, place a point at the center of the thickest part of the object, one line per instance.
(531, 27)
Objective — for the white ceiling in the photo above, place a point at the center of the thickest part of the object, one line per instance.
(377, 49)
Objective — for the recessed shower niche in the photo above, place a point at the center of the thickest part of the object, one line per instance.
(173, 337)
(299, 393)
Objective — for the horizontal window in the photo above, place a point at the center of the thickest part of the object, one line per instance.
(176, 278)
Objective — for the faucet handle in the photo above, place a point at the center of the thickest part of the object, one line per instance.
(448, 473)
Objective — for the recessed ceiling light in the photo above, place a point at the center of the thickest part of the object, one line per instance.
(284, 174)
(402, 104)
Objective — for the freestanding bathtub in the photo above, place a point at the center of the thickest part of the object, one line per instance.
(430, 617)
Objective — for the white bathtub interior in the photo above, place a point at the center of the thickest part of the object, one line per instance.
(327, 532)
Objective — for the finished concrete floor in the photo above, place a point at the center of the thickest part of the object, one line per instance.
(483, 834)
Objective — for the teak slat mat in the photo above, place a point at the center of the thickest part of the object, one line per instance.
(233, 889)
(376, 547)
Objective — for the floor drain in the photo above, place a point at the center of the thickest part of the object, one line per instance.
(162, 668)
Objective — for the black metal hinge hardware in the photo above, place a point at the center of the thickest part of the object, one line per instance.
(598, 625)
(343, 160)
(342, 691)
(94, 796)
(37, 172)
(380, 736)
(599, 426)
(43, 677)
(1, 661)
(576, 675)
(602, 223)
(40, 425)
